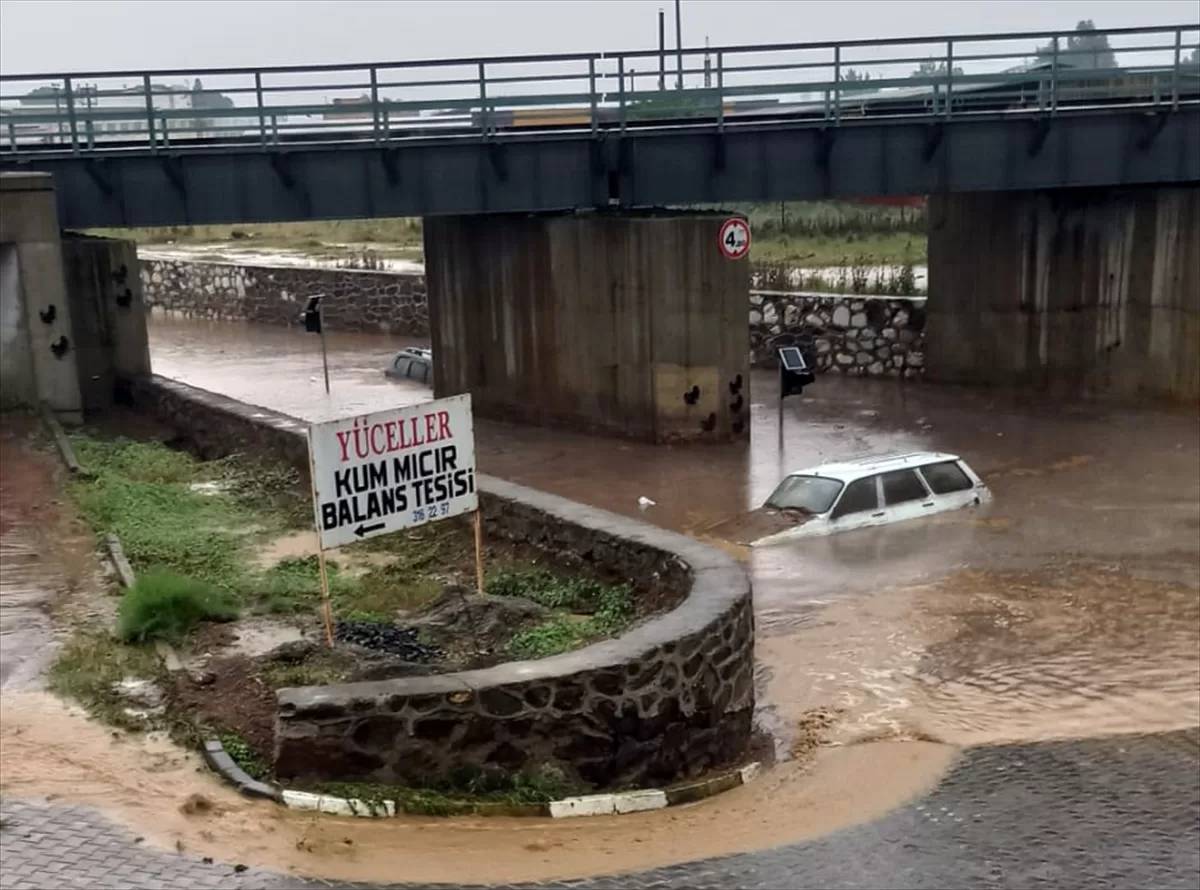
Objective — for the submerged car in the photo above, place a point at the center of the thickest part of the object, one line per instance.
(868, 491)
(412, 363)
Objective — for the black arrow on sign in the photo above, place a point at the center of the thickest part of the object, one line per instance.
(367, 529)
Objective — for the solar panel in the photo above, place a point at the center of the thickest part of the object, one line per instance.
(792, 359)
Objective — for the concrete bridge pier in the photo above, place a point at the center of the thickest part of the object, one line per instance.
(72, 320)
(1074, 291)
(623, 323)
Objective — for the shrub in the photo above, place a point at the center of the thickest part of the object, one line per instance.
(164, 605)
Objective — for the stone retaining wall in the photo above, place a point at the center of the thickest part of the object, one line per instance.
(670, 698)
(384, 302)
(860, 336)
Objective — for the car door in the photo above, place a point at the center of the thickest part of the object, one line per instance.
(400, 367)
(905, 496)
(858, 506)
(950, 485)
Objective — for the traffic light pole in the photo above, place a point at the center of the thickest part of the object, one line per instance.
(313, 319)
(324, 357)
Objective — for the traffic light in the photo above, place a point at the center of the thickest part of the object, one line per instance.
(794, 374)
(311, 316)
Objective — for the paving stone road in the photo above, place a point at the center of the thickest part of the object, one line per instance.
(1104, 813)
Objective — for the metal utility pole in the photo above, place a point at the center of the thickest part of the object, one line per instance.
(678, 47)
(662, 50)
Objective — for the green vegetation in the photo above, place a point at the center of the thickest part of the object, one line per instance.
(174, 512)
(244, 756)
(593, 610)
(164, 605)
(809, 233)
(322, 236)
(89, 667)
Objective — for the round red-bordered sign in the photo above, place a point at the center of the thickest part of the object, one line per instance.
(734, 238)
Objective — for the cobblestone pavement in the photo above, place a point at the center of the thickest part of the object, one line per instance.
(1117, 812)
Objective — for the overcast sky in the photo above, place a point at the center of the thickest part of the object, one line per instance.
(104, 35)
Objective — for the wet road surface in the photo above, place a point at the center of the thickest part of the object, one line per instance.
(1052, 636)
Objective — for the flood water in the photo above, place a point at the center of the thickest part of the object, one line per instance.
(1070, 606)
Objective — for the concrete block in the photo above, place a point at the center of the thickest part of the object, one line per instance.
(639, 801)
(591, 805)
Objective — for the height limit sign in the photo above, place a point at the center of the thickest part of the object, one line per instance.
(735, 238)
(392, 470)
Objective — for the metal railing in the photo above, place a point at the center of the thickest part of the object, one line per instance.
(1044, 73)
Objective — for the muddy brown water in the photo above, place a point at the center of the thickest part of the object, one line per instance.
(1066, 608)
(1092, 542)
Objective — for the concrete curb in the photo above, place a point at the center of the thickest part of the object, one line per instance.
(60, 440)
(120, 563)
(617, 804)
(222, 764)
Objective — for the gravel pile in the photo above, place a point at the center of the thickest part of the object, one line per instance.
(401, 641)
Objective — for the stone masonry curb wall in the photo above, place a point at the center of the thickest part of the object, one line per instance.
(870, 336)
(852, 335)
(355, 300)
(618, 804)
(668, 700)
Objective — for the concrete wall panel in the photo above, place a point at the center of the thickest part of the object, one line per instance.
(627, 324)
(1083, 291)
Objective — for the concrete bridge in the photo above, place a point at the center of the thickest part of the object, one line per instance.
(1065, 201)
(992, 112)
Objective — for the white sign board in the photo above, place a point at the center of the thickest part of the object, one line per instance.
(392, 470)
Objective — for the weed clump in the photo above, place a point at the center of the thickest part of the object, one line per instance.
(163, 605)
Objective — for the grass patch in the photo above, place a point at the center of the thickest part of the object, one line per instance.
(145, 493)
(813, 233)
(90, 665)
(321, 668)
(593, 610)
(243, 755)
(163, 605)
(294, 585)
(891, 249)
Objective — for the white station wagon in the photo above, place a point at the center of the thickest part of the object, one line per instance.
(870, 491)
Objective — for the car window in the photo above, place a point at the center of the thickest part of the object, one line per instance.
(946, 477)
(812, 494)
(902, 485)
(859, 496)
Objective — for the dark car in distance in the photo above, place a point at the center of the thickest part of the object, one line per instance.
(412, 363)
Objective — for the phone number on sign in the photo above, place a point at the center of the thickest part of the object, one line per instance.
(433, 511)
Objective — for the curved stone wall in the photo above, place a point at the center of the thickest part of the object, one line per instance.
(672, 697)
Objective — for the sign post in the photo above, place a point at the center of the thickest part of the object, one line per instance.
(314, 324)
(794, 375)
(392, 470)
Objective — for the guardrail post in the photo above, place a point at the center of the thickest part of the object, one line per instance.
(1054, 75)
(949, 74)
(483, 104)
(147, 89)
(837, 83)
(592, 90)
(621, 92)
(375, 102)
(12, 136)
(720, 92)
(69, 88)
(258, 97)
(1175, 68)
